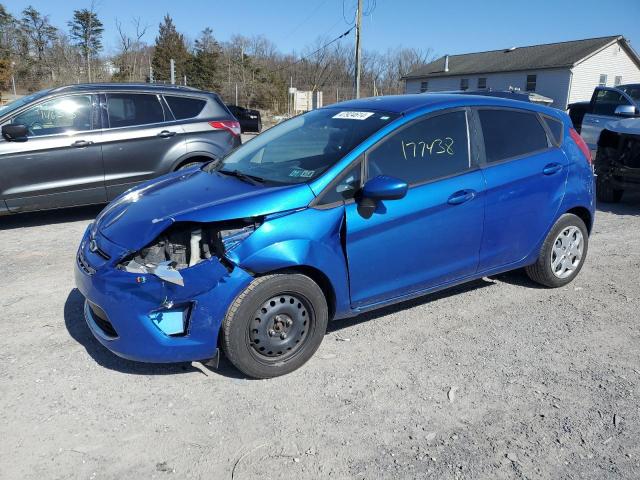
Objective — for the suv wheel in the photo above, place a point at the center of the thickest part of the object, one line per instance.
(275, 325)
(562, 254)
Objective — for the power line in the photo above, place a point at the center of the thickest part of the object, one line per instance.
(314, 52)
(321, 4)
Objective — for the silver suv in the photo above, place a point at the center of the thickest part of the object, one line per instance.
(86, 144)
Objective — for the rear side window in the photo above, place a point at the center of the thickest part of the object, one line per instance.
(555, 127)
(607, 101)
(428, 149)
(185, 107)
(129, 109)
(511, 133)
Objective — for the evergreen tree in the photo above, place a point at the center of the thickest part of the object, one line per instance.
(169, 44)
(86, 31)
(203, 67)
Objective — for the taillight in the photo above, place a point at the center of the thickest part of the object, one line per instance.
(584, 148)
(229, 125)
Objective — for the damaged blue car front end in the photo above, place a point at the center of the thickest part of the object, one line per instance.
(174, 314)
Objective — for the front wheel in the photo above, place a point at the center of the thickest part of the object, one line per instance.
(275, 325)
(562, 254)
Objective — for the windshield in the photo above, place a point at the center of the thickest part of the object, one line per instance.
(11, 106)
(302, 148)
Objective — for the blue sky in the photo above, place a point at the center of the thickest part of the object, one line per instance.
(445, 26)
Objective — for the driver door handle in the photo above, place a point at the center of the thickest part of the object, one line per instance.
(461, 196)
(166, 134)
(81, 143)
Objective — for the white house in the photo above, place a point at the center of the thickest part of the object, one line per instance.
(566, 72)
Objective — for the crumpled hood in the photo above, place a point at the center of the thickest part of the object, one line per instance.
(138, 216)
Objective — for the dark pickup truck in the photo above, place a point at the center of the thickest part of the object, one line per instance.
(607, 104)
(610, 125)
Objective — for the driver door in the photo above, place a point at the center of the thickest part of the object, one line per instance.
(430, 237)
(60, 163)
(603, 106)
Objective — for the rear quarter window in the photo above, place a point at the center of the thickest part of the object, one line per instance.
(555, 128)
(185, 107)
(511, 133)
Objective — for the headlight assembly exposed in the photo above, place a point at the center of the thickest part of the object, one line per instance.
(232, 237)
(184, 245)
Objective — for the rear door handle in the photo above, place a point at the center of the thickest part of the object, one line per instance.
(166, 134)
(551, 168)
(81, 143)
(461, 196)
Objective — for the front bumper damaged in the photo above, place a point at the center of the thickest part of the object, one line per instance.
(141, 316)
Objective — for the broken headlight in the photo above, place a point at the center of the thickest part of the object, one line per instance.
(232, 237)
(186, 244)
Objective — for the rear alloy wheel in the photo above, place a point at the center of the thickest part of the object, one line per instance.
(275, 325)
(562, 254)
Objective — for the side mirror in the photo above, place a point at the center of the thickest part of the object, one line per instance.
(14, 132)
(625, 111)
(383, 187)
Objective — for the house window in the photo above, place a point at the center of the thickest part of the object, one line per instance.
(531, 83)
(603, 80)
(424, 86)
(464, 84)
(617, 80)
(482, 83)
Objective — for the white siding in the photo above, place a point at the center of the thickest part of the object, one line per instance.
(612, 61)
(552, 83)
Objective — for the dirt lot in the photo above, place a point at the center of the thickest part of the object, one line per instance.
(496, 379)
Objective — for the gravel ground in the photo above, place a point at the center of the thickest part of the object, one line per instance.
(495, 379)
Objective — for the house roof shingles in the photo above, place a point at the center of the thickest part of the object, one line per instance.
(551, 55)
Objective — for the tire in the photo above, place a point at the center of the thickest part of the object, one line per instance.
(606, 193)
(544, 271)
(184, 166)
(275, 325)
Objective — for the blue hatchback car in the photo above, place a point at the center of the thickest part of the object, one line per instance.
(342, 210)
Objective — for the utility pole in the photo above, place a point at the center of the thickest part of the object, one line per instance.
(172, 65)
(236, 93)
(358, 59)
(13, 79)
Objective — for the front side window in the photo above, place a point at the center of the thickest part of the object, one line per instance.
(633, 91)
(511, 133)
(130, 109)
(428, 149)
(607, 101)
(58, 115)
(464, 84)
(301, 149)
(531, 83)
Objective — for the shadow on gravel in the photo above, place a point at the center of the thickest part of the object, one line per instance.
(629, 205)
(49, 217)
(398, 307)
(78, 329)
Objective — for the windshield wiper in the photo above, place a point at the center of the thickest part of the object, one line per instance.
(252, 179)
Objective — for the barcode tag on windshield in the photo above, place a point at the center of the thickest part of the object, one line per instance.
(353, 115)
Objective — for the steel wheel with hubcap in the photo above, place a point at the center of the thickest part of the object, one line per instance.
(562, 254)
(566, 253)
(275, 325)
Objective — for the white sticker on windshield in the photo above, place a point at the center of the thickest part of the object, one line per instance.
(353, 115)
(298, 172)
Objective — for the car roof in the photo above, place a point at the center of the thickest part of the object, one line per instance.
(405, 104)
(154, 87)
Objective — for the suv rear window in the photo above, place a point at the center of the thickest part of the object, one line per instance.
(185, 107)
(511, 133)
(129, 109)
